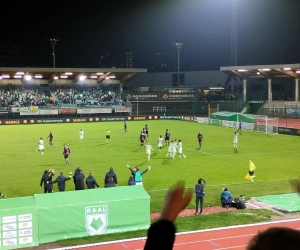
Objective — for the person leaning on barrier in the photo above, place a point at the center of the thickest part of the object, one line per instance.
(91, 181)
(78, 179)
(61, 181)
(131, 181)
(110, 183)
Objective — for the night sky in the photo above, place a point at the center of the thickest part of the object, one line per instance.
(268, 31)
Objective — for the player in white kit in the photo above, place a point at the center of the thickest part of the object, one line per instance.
(148, 150)
(170, 149)
(81, 134)
(180, 149)
(41, 145)
(174, 148)
(235, 140)
(159, 143)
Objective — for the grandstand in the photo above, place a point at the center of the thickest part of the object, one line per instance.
(48, 88)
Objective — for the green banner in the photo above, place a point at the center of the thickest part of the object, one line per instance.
(83, 213)
(19, 223)
(215, 122)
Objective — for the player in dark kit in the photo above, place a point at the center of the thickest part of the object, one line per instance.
(66, 154)
(142, 139)
(167, 137)
(50, 136)
(125, 127)
(147, 130)
(200, 138)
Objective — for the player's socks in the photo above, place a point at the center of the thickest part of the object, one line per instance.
(148, 158)
(179, 156)
(184, 156)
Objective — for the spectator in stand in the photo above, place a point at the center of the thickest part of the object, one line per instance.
(111, 174)
(91, 182)
(78, 179)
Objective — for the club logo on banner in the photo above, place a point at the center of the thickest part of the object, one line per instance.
(96, 219)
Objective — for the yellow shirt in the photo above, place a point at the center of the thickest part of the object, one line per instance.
(107, 132)
(251, 166)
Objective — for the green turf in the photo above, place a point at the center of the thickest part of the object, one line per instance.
(216, 161)
(184, 224)
(285, 202)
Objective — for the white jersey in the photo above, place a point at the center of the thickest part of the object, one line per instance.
(170, 147)
(235, 137)
(174, 147)
(159, 142)
(179, 145)
(41, 144)
(81, 134)
(148, 149)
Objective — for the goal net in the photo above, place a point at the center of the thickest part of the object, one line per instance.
(262, 123)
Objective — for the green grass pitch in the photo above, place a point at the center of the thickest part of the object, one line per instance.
(275, 156)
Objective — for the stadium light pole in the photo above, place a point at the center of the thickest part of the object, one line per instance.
(53, 43)
(179, 47)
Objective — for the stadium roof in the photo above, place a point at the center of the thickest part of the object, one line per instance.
(119, 74)
(263, 71)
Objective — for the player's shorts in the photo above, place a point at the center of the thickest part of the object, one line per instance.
(81, 137)
(51, 139)
(167, 138)
(41, 147)
(66, 156)
(180, 151)
(251, 173)
(147, 132)
(142, 141)
(159, 145)
(108, 137)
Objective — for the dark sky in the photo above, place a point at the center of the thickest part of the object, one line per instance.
(268, 31)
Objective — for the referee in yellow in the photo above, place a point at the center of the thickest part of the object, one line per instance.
(251, 170)
(108, 135)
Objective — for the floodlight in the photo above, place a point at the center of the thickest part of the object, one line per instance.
(99, 74)
(20, 73)
(55, 77)
(28, 78)
(286, 68)
(266, 69)
(112, 76)
(17, 76)
(298, 71)
(242, 70)
(68, 73)
(63, 76)
(0, 77)
(257, 73)
(38, 76)
(107, 78)
(5, 76)
(94, 76)
(82, 78)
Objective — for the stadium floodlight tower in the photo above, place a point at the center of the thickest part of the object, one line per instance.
(179, 47)
(53, 43)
